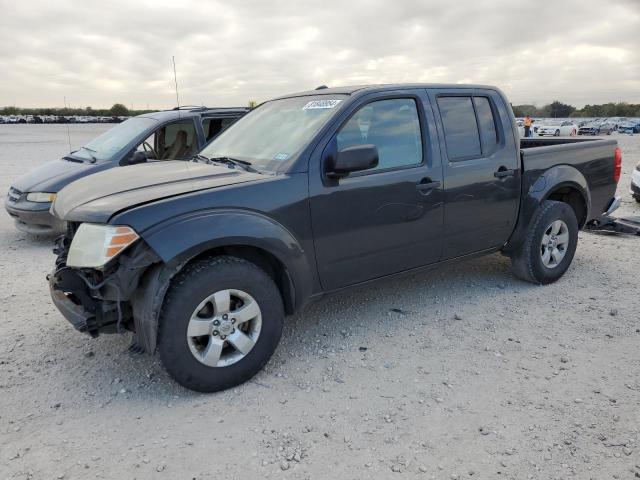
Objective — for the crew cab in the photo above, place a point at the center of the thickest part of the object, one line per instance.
(308, 195)
(160, 136)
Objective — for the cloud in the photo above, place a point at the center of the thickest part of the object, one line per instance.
(98, 53)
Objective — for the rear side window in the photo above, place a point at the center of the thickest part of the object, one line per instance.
(460, 127)
(488, 131)
(393, 126)
(213, 126)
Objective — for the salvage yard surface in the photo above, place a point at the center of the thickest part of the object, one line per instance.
(460, 372)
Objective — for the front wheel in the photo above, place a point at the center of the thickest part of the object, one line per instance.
(220, 323)
(549, 246)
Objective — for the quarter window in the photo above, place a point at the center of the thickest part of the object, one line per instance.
(213, 126)
(393, 126)
(460, 127)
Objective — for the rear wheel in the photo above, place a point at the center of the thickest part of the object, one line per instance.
(220, 323)
(549, 246)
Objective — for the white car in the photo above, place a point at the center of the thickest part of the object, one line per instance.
(557, 128)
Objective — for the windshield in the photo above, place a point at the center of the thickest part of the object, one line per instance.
(275, 132)
(115, 139)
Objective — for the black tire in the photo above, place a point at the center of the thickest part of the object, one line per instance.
(526, 262)
(188, 288)
(556, 133)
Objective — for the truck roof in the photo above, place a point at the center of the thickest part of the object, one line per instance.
(352, 89)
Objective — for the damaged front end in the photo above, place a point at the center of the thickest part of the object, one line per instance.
(99, 300)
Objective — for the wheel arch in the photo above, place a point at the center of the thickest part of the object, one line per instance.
(572, 195)
(247, 235)
(561, 183)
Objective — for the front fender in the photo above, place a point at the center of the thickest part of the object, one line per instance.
(540, 188)
(179, 239)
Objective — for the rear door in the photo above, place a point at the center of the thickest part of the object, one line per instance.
(387, 219)
(481, 169)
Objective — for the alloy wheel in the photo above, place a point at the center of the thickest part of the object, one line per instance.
(224, 328)
(553, 246)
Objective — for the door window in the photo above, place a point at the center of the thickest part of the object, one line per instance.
(176, 140)
(460, 127)
(393, 126)
(149, 147)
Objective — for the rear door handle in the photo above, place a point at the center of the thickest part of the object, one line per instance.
(504, 172)
(427, 185)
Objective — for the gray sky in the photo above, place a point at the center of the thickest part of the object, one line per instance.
(101, 52)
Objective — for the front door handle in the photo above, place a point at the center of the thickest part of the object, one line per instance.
(426, 185)
(504, 172)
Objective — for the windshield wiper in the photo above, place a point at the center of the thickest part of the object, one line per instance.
(234, 162)
(90, 150)
(197, 157)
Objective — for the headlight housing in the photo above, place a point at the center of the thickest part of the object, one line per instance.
(94, 245)
(41, 197)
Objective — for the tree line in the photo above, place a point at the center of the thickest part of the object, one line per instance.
(555, 109)
(117, 110)
(558, 109)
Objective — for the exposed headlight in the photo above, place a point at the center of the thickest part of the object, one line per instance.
(41, 197)
(94, 245)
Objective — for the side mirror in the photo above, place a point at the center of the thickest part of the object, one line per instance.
(137, 157)
(354, 159)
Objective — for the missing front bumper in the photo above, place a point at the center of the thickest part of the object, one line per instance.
(87, 314)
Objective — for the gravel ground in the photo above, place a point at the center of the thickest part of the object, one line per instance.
(462, 372)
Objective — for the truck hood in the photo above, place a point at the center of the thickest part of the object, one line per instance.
(54, 175)
(98, 197)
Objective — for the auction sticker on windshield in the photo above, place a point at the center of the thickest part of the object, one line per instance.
(315, 104)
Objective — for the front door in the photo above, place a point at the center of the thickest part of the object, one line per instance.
(481, 167)
(387, 219)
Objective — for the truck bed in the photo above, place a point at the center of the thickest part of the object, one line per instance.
(592, 157)
(528, 143)
(545, 161)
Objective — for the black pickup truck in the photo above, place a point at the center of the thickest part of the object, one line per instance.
(310, 194)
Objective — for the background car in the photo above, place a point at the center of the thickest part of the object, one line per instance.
(168, 135)
(632, 126)
(557, 128)
(596, 128)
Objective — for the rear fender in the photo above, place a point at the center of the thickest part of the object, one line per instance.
(540, 189)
